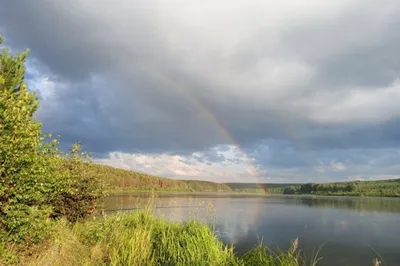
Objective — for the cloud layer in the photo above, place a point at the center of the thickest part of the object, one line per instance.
(307, 89)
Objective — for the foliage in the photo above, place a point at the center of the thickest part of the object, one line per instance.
(37, 181)
(82, 190)
(206, 186)
(289, 190)
(25, 173)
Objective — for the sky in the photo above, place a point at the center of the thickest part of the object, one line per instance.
(224, 91)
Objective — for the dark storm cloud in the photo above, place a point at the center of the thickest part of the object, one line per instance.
(139, 114)
(140, 76)
(71, 44)
(83, 115)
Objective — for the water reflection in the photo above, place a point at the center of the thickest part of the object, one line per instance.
(348, 226)
(351, 203)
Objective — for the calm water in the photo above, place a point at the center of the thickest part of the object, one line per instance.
(351, 228)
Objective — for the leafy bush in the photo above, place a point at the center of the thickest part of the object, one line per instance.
(83, 188)
(24, 172)
(36, 180)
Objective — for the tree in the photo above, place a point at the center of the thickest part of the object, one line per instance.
(23, 183)
(350, 187)
(306, 188)
(36, 180)
(289, 190)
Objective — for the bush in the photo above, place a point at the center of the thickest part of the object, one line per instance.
(36, 180)
(83, 190)
(24, 172)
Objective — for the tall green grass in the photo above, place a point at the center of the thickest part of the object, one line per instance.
(139, 238)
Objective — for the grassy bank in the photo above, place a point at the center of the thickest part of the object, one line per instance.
(140, 238)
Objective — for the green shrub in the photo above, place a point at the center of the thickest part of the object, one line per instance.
(81, 191)
(37, 181)
(24, 172)
(27, 224)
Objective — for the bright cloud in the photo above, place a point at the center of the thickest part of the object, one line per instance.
(231, 167)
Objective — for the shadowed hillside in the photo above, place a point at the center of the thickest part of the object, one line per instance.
(124, 180)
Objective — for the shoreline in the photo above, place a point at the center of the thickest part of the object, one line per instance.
(240, 194)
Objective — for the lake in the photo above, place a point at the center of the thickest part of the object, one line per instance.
(353, 230)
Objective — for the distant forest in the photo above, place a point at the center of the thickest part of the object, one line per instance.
(379, 188)
(123, 180)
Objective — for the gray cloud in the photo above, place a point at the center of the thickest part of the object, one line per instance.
(312, 82)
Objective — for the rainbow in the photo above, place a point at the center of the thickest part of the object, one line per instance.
(213, 118)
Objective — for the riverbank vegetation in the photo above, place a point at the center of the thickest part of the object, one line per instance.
(140, 238)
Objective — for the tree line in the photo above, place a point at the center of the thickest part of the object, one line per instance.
(381, 188)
